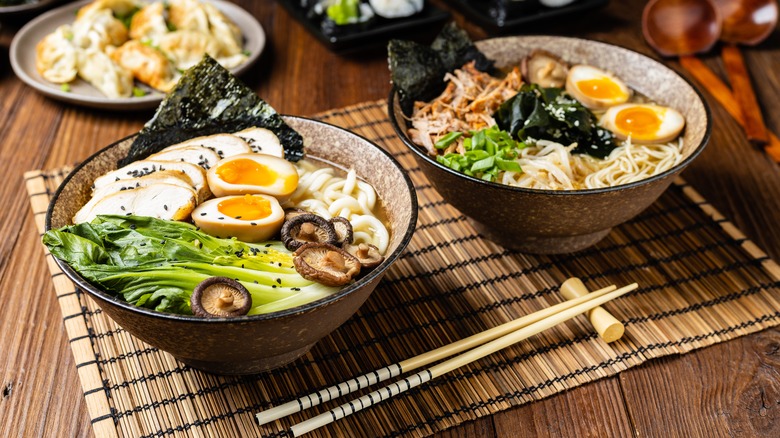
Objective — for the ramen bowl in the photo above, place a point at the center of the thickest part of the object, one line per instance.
(255, 343)
(558, 221)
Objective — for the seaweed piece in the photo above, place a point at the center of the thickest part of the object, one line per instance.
(417, 71)
(551, 114)
(209, 100)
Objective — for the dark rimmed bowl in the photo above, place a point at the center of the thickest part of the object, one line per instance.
(549, 221)
(252, 344)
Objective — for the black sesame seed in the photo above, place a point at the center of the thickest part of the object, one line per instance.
(220, 218)
(122, 207)
(273, 286)
(238, 217)
(165, 207)
(133, 226)
(256, 282)
(203, 214)
(279, 280)
(253, 223)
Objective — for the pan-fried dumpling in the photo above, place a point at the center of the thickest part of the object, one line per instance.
(188, 15)
(55, 56)
(98, 29)
(187, 47)
(120, 8)
(223, 30)
(149, 22)
(98, 69)
(146, 64)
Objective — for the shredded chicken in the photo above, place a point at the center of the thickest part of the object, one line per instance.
(468, 102)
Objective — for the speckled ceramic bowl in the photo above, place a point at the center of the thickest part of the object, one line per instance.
(547, 221)
(252, 344)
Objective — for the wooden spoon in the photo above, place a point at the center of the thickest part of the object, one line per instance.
(687, 27)
(745, 22)
(681, 27)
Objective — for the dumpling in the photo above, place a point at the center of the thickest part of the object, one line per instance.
(149, 22)
(55, 56)
(227, 34)
(146, 64)
(98, 29)
(119, 8)
(98, 69)
(187, 47)
(188, 15)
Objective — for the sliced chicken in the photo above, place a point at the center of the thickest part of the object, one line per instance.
(172, 177)
(262, 141)
(202, 156)
(225, 145)
(162, 201)
(141, 168)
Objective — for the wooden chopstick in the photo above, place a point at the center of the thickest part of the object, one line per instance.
(415, 362)
(456, 362)
(744, 94)
(721, 92)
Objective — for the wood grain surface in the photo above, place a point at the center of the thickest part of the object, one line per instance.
(730, 389)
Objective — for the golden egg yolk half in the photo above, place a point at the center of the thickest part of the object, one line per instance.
(247, 207)
(246, 171)
(640, 122)
(601, 88)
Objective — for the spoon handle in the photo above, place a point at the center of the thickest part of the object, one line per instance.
(743, 92)
(721, 92)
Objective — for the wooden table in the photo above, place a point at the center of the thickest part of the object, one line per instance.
(731, 389)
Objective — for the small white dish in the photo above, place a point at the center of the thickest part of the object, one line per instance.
(22, 55)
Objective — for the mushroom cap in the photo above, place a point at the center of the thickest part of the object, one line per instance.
(290, 213)
(217, 297)
(343, 229)
(307, 228)
(545, 69)
(368, 254)
(326, 264)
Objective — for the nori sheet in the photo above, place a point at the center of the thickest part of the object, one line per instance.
(209, 100)
(418, 71)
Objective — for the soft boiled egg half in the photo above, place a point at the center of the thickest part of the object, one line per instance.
(253, 173)
(249, 218)
(643, 123)
(596, 88)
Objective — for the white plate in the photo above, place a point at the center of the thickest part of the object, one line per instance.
(27, 8)
(22, 54)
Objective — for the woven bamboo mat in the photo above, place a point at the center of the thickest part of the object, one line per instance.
(702, 282)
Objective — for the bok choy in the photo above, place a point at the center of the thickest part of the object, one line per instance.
(156, 264)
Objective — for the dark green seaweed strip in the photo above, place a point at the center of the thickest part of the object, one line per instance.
(417, 71)
(209, 100)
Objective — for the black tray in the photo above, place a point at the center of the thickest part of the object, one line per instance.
(428, 21)
(478, 11)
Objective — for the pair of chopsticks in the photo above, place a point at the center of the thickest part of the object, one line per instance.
(479, 345)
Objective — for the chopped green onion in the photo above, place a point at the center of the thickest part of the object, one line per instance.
(483, 164)
(65, 88)
(447, 140)
(139, 92)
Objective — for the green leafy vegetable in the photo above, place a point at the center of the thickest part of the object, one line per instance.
(156, 264)
(487, 152)
(344, 11)
(207, 100)
(551, 114)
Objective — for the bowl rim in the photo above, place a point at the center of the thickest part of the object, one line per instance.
(85, 285)
(392, 96)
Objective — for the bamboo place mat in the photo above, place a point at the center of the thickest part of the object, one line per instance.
(701, 282)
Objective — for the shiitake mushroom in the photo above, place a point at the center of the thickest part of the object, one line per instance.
(343, 230)
(307, 228)
(217, 297)
(326, 264)
(368, 254)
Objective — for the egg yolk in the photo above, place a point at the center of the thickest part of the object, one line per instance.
(246, 171)
(640, 122)
(601, 88)
(247, 207)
